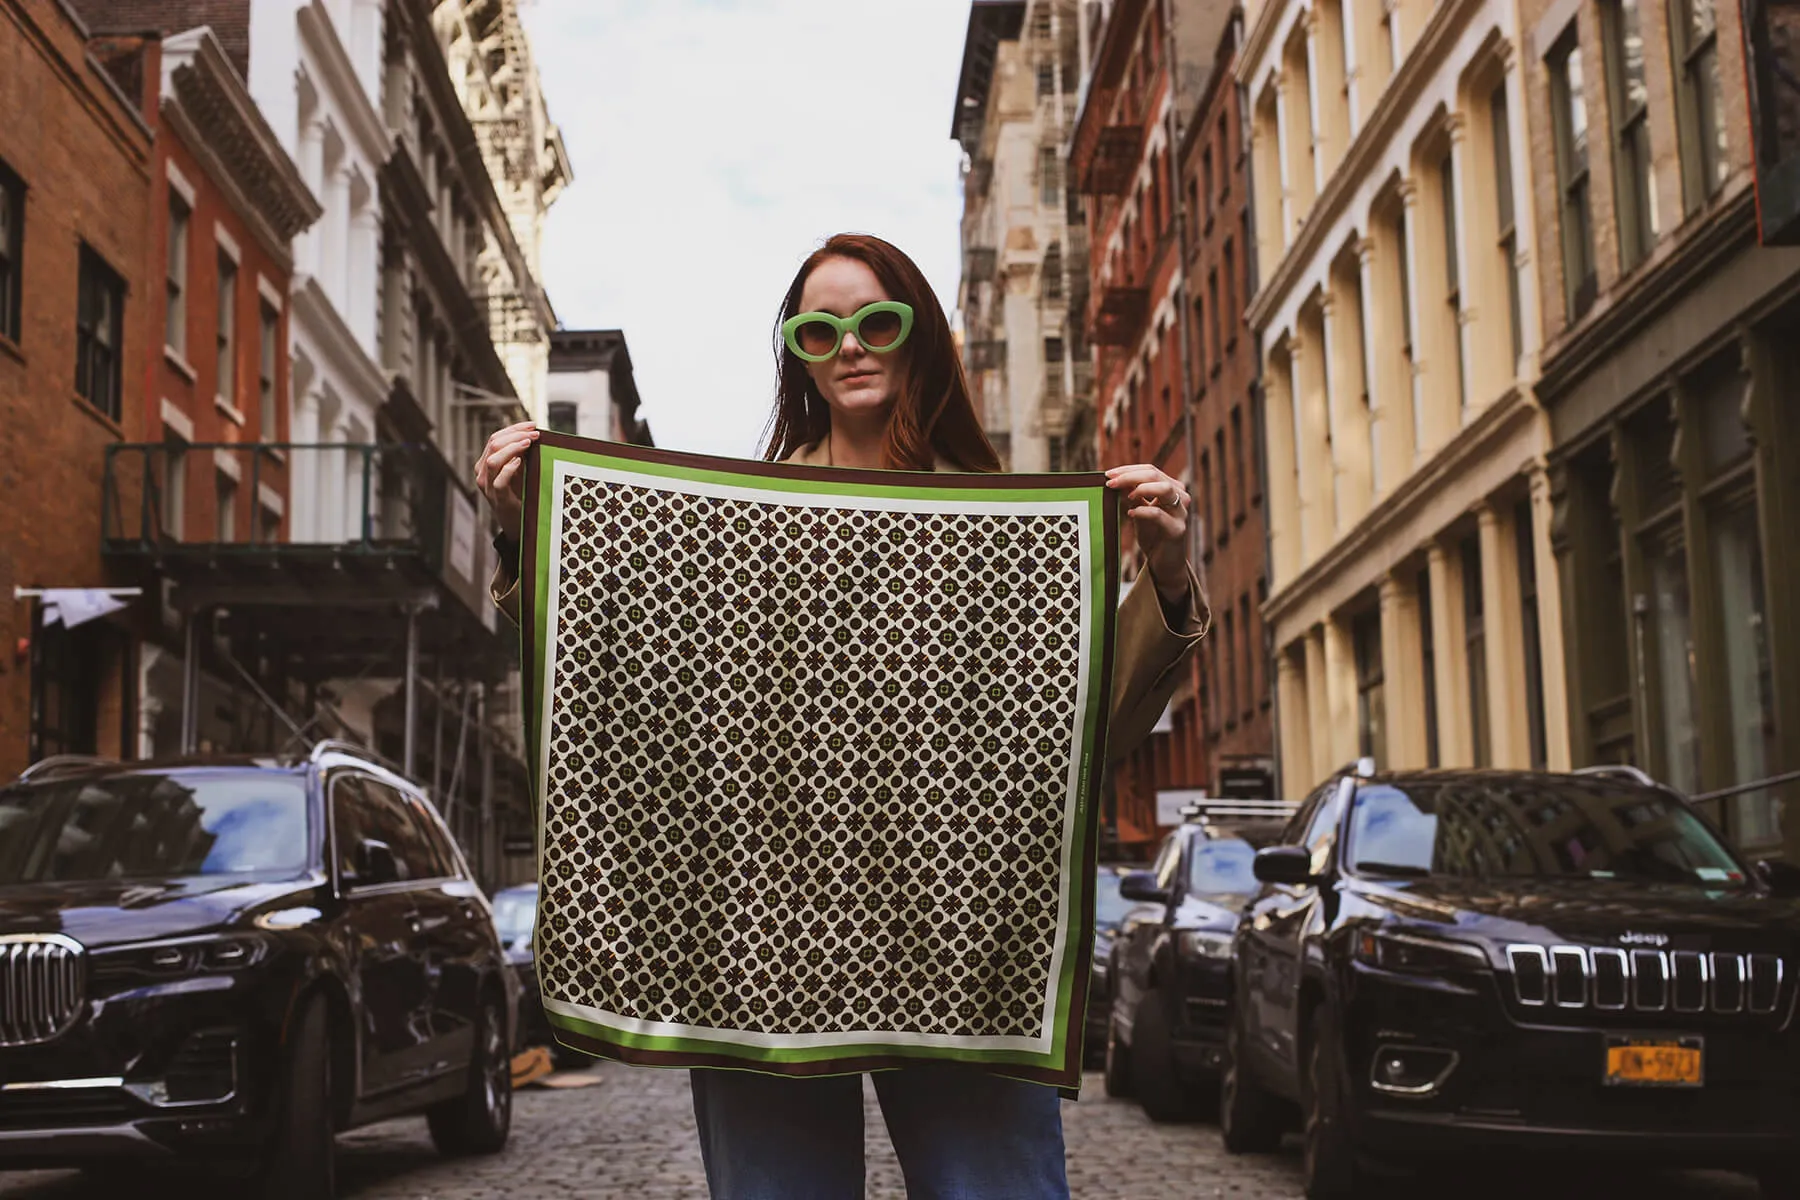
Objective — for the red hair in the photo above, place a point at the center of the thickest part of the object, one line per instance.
(931, 417)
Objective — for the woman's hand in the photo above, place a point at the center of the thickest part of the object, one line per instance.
(1159, 506)
(500, 474)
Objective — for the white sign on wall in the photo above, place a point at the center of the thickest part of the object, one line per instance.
(1170, 802)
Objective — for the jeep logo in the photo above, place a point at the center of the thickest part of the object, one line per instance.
(1644, 939)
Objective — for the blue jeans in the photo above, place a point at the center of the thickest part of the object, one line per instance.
(960, 1134)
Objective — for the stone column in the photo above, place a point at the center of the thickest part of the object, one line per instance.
(1365, 263)
(364, 271)
(1311, 21)
(1352, 68)
(1331, 392)
(1455, 738)
(1297, 776)
(1402, 672)
(1550, 622)
(1508, 727)
(1473, 379)
(1519, 152)
(1409, 230)
(307, 248)
(1282, 141)
(1284, 498)
(1340, 688)
(304, 482)
(1306, 466)
(1318, 697)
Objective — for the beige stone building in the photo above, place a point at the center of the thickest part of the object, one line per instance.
(1024, 286)
(1673, 398)
(1413, 602)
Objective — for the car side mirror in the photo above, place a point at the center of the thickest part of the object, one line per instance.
(375, 863)
(1782, 878)
(1142, 887)
(1291, 865)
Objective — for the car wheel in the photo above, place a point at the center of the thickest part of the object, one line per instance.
(1328, 1165)
(1153, 1074)
(478, 1121)
(1118, 1063)
(1250, 1119)
(300, 1161)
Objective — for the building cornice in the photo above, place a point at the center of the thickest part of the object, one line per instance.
(1423, 62)
(205, 101)
(341, 80)
(1474, 444)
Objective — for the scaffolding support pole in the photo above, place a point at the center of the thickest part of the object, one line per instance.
(190, 685)
(411, 705)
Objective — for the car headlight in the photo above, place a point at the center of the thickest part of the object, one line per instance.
(193, 956)
(1203, 943)
(1409, 952)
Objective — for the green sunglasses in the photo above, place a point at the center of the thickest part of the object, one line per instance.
(880, 327)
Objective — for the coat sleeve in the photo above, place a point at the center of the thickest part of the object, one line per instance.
(505, 591)
(1147, 655)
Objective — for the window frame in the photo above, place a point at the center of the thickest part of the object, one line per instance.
(1506, 215)
(1453, 280)
(1575, 213)
(225, 369)
(175, 283)
(1634, 182)
(268, 333)
(98, 378)
(1699, 104)
(12, 254)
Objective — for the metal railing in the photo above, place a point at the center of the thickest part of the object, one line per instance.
(250, 498)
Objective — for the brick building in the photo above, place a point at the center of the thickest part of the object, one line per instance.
(1673, 399)
(75, 168)
(1149, 60)
(1235, 688)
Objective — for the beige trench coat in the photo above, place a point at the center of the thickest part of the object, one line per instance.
(1147, 651)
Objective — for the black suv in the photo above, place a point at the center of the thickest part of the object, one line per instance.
(232, 960)
(1451, 964)
(1170, 968)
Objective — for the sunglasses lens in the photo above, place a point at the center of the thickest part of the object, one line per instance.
(816, 337)
(880, 330)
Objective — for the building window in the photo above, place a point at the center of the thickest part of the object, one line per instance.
(99, 314)
(12, 243)
(267, 358)
(1212, 299)
(1046, 80)
(1568, 113)
(1233, 315)
(1224, 138)
(1049, 177)
(268, 525)
(1534, 658)
(1694, 38)
(1453, 274)
(1428, 667)
(1206, 181)
(225, 512)
(1053, 368)
(174, 486)
(1371, 692)
(1200, 355)
(562, 417)
(1040, 21)
(1475, 651)
(1244, 236)
(1224, 486)
(1207, 530)
(1250, 656)
(1500, 132)
(1628, 98)
(1237, 458)
(1231, 668)
(175, 313)
(227, 338)
(1053, 272)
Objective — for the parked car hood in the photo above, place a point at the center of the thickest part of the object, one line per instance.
(101, 913)
(1220, 911)
(1587, 910)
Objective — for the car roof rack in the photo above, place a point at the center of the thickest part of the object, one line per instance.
(1624, 770)
(57, 763)
(1213, 811)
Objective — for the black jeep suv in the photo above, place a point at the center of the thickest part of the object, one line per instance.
(1165, 1031)
(1458, 963)
(232, 960)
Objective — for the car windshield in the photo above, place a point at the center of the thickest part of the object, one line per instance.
(154, 825)
(514, 912)
(1109, 907)
(1521, 826)
(1221, 867)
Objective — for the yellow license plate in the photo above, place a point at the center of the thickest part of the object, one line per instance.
(1654, 1062)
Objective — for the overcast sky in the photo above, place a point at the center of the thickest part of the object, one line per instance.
(716, 143)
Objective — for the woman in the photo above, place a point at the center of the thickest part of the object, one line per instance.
(869, 377)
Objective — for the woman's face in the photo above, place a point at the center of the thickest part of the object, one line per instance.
(855, 381)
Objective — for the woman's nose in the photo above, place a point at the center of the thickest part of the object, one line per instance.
(851, 346)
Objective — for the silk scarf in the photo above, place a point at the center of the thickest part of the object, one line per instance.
(817, 757)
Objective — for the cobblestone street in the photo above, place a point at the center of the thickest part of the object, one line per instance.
(633, 1136)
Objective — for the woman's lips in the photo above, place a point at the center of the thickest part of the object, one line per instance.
(858, 376)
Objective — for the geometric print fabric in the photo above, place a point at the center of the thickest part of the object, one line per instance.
(808, 766)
